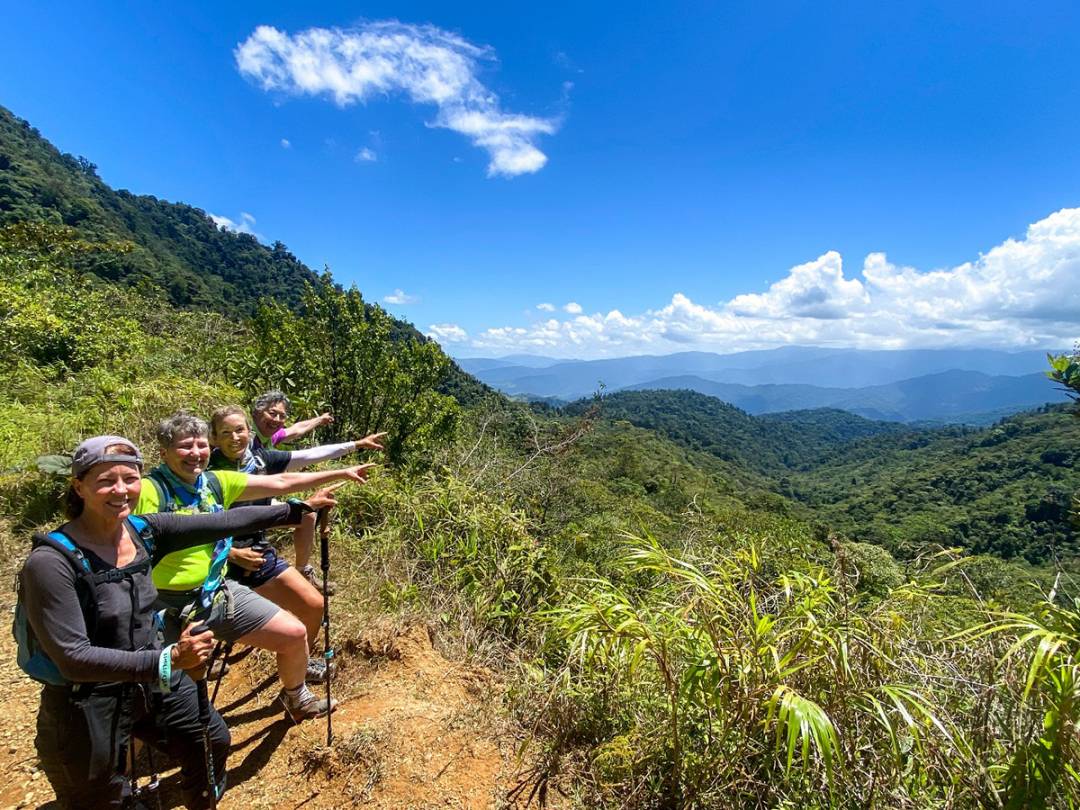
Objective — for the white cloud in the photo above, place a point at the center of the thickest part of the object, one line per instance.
(400, 297)
(426, 64)
(286, 144)
(1022, 293)
(245, 225)
(546, 307)
(447, 333)
(366, 155)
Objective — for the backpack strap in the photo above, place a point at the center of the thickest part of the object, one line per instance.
(215, 487)
(166, 498)
(68, 548)
(140, 528)
(84, 574)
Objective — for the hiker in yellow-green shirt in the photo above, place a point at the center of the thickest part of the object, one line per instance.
(183, 484)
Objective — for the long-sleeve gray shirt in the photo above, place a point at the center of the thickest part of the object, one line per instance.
(123, 643)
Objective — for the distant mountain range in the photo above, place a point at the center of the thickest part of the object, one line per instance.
(970, 386)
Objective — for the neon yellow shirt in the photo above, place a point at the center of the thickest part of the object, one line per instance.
(186, 569)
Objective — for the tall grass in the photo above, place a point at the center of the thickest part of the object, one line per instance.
(704, 681)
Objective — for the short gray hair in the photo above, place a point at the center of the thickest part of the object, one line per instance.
(263, 403)
(179, 426)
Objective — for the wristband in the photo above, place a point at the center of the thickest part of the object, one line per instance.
(165, 669)
(299, 504)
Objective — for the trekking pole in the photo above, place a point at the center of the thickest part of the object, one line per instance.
(204, 606)
(139, 795)
(323, 523)
(226, 648)
(204, 721)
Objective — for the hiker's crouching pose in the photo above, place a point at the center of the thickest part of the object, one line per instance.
(253, 561)
(87, 630)
(183, 484)
(268, 415)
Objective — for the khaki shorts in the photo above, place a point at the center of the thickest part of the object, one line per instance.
(237, 611)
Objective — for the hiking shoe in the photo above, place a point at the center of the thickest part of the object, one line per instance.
(306, 706)
(309, 574)
(316, 670)
(219, 669)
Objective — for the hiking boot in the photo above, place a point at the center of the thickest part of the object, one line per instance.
(316, 670)
(219, 669)
(305, 706)
(309, 574)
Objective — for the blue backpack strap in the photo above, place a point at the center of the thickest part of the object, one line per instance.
(71, 551)
(141, 529)
(84, 573)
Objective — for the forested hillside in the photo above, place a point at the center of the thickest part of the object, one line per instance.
(173, 247)
(177, 247)
(767, 444)
(956, 396)
(663, 590)
(1004, 490)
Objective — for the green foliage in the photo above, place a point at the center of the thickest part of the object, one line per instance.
(83, 357)
(770, 444)
(1065, 370)
(736, 686)
(1042, 769)
(660, 587)
(337, 353)
(174, 251)
(1004, 490)
(174, 247)
(466, 554)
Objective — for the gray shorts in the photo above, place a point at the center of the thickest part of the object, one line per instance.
(237, 612)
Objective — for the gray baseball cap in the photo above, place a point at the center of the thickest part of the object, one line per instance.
(92, 451)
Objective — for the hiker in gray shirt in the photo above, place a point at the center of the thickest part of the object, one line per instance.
(86, 594)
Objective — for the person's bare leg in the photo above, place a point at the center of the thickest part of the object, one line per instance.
(291, 590)
(285, 635)
(304, 539)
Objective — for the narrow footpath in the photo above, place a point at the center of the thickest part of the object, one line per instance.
(413, 730)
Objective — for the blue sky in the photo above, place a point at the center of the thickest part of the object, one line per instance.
(664, 176)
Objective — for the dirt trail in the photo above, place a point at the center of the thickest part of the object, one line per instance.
(413, 730)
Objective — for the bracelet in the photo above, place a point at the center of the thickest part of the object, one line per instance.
(301, 505)
(165, 669)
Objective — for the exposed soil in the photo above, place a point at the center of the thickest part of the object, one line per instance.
(413, 730)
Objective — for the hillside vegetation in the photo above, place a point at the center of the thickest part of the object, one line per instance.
(666, 628)
(172, 251)
(1003, 490)
(767, 444)
(175, 248)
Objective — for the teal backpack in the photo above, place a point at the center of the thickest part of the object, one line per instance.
(167, 498)
(31, 658)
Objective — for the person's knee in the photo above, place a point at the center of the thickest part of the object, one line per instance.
(291, 630)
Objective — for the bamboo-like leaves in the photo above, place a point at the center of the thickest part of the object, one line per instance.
(802, 723)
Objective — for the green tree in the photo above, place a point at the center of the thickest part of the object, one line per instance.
(341, 354)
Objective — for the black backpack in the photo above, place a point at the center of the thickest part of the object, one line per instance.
(30, 656)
